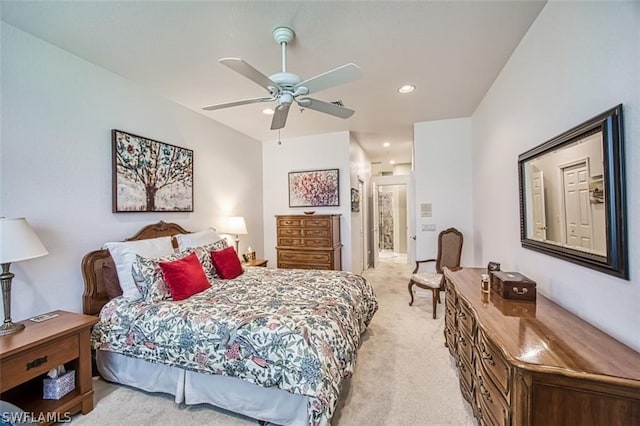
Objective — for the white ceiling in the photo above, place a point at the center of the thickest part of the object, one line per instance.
(451, 51)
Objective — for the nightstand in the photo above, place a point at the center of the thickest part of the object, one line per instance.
(256, 262)
(29, 354)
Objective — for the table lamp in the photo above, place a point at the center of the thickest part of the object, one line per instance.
(236, 225)
(18, 242)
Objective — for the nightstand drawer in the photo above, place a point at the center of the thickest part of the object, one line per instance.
(30, 364)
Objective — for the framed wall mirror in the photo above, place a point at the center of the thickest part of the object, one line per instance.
(572, 195)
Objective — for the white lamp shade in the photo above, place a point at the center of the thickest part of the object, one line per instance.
(18, 241)
(236, 225)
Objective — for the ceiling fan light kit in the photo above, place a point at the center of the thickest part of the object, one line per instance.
(285, 87)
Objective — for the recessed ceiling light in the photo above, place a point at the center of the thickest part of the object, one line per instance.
(392, 162)
(386, 144)
(268, 111)
(407, 88)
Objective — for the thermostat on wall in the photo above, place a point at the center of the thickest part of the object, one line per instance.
(425, 210)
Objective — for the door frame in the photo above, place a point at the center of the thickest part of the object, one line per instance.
(407, 181)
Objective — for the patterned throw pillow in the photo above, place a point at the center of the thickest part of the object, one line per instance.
(148, 277)
(204, 254)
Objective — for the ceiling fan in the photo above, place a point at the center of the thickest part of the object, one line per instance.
(286, 87)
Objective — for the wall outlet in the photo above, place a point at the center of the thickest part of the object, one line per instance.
(428, 227)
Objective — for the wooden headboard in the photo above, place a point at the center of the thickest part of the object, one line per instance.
(94, 296)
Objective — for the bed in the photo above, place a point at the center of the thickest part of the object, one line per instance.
(273, 344)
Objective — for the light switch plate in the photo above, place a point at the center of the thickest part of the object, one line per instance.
(425, 210)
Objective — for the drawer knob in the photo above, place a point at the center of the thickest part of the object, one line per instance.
(488, 357)
(520, 291)
(485, 393)
(36, 362)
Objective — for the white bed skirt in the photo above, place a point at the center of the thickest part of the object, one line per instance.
(271, 404)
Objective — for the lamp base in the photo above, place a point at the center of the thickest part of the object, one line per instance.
(10, 328)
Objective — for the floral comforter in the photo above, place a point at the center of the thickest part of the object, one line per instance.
(294, 329)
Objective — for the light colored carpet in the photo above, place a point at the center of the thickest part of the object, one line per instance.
(404, 375)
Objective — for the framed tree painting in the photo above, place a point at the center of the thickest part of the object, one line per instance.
(314, 188)
(150, 176)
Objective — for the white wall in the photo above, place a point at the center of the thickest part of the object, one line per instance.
(315, 152)
(577, 60)
(57, 114)
(442, 172)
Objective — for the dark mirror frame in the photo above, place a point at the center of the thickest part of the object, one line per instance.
(615, 262)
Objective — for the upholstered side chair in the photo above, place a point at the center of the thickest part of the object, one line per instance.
(449, 253)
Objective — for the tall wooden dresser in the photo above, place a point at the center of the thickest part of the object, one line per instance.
(309, 242)
(534, 363)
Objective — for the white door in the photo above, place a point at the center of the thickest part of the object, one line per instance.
(375, 231)
(539, 217)
(363, 216)
(411, 221)
(576, 203)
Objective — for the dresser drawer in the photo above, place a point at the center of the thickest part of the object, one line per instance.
(465, 372)
(304, 242)
(450, 295)
(317, 223)
(39, 360)
(316, 233)
(291, 242)
(465, 317)
(289, 221)
(289, 265)
(450, 336)
(465, 345)
(304, 256)
(493, 363)
(494, 407)
(450, 313)
(289, 232)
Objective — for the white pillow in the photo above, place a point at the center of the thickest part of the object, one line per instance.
(124, 254)
(197, 239)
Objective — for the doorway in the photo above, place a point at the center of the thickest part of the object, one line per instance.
(392, 223)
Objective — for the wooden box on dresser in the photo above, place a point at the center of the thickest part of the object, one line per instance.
(535, 363)
(309, 241)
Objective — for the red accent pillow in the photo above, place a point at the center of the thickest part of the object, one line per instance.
(184, 277)
(227, 263)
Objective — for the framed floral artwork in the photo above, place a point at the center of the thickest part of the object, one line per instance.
(314, 188)
(150, 176)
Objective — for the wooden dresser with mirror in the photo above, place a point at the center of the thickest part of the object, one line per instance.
(535, 363)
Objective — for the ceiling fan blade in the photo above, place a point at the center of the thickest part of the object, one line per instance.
(240, 66)
(280, 117)
(335, 77)
(237, 103)
(326, 107)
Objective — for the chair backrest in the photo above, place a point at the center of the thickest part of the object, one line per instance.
(449, 249)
